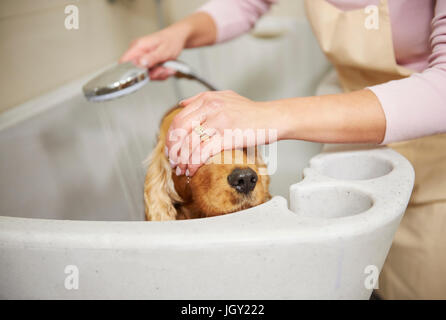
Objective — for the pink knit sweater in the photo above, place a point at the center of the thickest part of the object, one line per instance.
(415, 106)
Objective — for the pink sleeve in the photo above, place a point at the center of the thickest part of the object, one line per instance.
(234, 17)
(416, 106)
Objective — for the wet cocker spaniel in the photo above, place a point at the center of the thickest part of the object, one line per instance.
(215, 189)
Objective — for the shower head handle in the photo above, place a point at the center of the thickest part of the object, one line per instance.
(126, 78)
(184, 71)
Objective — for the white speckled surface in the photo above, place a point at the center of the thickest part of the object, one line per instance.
(60, 170)
(261, 253)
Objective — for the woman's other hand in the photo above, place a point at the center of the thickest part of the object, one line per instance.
(155, 48)
(217, 112)
(149, 51)
(355, 117)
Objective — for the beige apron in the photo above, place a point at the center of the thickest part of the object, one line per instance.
(416, 265)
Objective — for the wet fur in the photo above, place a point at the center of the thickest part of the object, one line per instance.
(169, 197)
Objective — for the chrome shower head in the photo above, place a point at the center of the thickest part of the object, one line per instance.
(115, 82)
(126, 78)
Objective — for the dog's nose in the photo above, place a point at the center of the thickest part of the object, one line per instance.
(243, 180)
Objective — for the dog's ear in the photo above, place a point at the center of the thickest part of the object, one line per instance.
(159, 190)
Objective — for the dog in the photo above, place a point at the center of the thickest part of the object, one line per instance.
(215, 189)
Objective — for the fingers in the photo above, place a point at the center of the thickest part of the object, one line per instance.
(153, 57)
(191, 143)
(147, 53)
(203, 152)
(137, 49)
(186, 102)
(218, 110)
(160, 73)
(198, 109)
(207, 94)
(203, 99)
(174, 138)
(185, 120)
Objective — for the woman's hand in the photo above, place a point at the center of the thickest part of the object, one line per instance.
(156, 48)
(355, 117)
(230, 121)
(149, 51)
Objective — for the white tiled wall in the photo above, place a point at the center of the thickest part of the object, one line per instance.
(37, 52)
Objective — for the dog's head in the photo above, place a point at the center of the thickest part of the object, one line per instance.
(230, 181)
(218, 188)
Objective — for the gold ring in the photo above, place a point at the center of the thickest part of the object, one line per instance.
(201, 131)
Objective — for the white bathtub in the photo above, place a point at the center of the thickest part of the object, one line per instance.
(71, 209)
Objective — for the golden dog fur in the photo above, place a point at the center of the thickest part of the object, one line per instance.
(208, 193)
